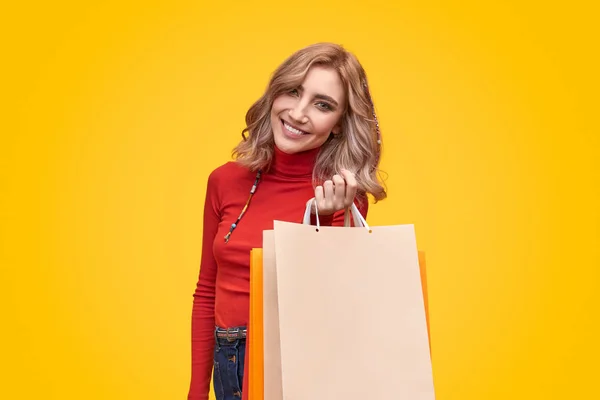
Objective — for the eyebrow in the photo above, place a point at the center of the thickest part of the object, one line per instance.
(323, 97)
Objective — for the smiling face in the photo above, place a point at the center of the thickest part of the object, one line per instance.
(303, 118)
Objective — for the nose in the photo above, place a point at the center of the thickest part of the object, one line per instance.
(298, 114)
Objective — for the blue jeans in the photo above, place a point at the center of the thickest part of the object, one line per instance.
(228, 371)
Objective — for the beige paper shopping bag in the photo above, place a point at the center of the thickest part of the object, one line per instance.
(351, 313)
(263, 278)
(273, 389)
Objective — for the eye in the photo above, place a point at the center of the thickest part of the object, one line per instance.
(294, 92)
(324, 106)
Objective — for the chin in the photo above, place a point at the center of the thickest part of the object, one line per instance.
(286, 147)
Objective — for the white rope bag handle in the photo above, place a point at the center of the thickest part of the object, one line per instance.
(351, 211)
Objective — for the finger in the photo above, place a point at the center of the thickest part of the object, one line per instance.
(339, 190)
(319, 196)
(351, 187)
(329, 192)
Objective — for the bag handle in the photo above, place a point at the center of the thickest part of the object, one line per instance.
(350, 212)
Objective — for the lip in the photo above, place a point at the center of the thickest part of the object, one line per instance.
(290, 134)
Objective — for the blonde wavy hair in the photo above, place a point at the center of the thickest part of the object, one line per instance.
(356, 149)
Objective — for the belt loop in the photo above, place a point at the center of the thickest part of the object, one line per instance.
(217, 344)
(233, 334)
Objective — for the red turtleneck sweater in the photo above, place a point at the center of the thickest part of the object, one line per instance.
(222, 292)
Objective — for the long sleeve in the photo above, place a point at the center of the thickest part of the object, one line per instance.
(203, 310)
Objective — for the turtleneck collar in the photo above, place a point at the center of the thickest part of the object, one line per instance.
(297, 165)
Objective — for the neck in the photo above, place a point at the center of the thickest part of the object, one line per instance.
(294, 165)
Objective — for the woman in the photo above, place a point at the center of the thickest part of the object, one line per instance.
(313, 134)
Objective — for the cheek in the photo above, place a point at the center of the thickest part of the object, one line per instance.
(326, 123)
(280, 104)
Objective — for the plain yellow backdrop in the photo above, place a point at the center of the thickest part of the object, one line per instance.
(115, 112)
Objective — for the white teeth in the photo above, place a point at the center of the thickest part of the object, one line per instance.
(293, 130)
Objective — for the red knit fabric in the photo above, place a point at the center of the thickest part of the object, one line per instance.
(222, 292)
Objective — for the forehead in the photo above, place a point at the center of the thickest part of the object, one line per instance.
(324, 80)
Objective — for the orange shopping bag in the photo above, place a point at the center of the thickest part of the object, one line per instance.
(255, 350)
(270, 372)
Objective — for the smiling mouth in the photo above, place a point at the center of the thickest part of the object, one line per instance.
(293, 130)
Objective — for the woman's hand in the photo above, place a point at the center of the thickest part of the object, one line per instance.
(336, 194)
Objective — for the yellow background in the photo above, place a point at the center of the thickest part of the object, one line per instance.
(115, 112)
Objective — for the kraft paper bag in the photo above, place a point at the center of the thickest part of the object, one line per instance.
(265, 346)
(351, 313)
